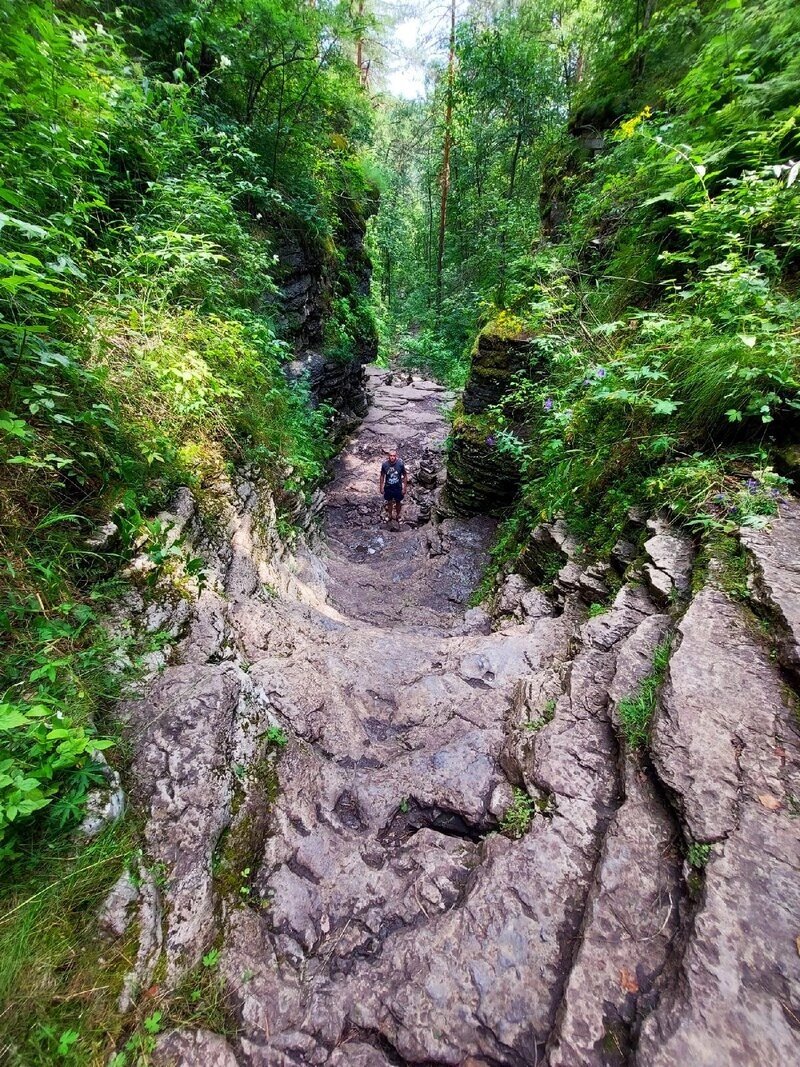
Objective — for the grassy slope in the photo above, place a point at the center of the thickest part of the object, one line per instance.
(664, 308)
(137, 352)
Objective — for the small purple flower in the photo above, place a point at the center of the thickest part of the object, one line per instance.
(587, 381)
(491, 441)
(775, 492)
(720, 496)
(601, 372)
(548, 404)
(752, 485)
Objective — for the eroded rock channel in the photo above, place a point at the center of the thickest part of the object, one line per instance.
(330, 753)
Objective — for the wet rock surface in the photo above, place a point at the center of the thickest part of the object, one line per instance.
(342, 726)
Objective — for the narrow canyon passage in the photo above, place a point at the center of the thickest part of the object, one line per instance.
(512, 783)
(367, 906)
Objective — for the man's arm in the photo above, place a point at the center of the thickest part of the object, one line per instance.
(381, 480)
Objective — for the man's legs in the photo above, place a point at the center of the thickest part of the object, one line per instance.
(393, 504)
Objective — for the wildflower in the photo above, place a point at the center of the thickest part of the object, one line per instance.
(752, 485)
(601, 372)
(79, 39)
(491, 441)
(720, 496)
(548, 404)
(224, 62)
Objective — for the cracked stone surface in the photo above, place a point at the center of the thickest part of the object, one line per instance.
(192, 1048)
(726, 742)
(384, 919)
(671, 555)
(775, 559)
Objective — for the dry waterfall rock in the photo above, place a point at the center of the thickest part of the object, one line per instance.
(385, 918)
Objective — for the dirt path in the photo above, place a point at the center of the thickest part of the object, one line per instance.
(367, 909)
(407, 579)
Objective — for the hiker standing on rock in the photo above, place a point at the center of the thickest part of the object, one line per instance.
(393, 482)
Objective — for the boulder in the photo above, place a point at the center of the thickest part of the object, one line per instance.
(192, 1048)
(500, 352)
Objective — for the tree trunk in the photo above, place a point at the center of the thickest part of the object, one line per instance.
(429, 242)
(363, 68)
(448, 140)
(515, 162)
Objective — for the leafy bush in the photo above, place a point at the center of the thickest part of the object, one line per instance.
(141, 203)
(48, 741)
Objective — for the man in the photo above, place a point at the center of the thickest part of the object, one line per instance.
(393, 483)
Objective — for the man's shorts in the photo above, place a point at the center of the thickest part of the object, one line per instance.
(393, 493)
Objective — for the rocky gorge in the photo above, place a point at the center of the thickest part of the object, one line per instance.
(407, 830)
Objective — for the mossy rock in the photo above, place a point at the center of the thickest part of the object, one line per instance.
(502, 349)
(480, 479)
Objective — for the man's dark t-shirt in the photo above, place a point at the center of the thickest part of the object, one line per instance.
(393, 479)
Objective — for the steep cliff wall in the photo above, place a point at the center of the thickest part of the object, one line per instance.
(324, 310)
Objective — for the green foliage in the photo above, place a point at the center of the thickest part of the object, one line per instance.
(636, 711)
(663, 308)
(698, 855)
(730, 565)
(547, 715)
(508, 105)
(142, 203)
(58, 981)
(718, 494)
(518, 817)
(427, 352)
(276, 736)
(55, 665)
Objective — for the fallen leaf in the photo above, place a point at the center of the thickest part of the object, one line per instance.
(627, 981)
(770, 802)
(797, 942)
